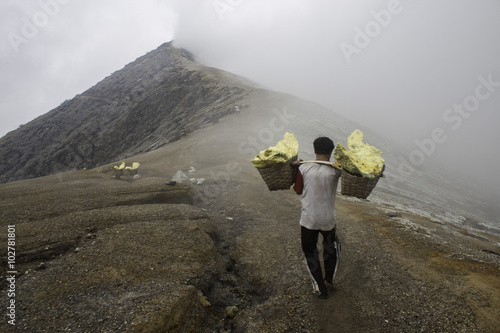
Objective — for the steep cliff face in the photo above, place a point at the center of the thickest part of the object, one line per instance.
(158, 98)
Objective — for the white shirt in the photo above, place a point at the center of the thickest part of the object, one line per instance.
(318, 199)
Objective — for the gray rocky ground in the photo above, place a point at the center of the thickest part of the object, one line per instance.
(98, 254)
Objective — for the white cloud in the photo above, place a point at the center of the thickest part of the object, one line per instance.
(407, 71)
(80, 43)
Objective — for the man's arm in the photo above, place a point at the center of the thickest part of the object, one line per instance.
(299, 183)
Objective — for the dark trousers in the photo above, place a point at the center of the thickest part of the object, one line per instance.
(331, 251)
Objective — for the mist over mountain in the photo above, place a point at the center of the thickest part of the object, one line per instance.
(165, 95)
(156, 99)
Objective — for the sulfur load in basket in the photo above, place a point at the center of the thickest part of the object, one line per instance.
(274, 163)
(362, 166)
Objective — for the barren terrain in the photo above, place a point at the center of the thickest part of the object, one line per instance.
(98, 254)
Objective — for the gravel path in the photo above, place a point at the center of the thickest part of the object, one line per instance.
(392, 277)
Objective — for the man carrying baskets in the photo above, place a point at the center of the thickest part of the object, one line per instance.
(317, 182)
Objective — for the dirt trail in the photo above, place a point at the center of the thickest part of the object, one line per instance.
(391, 278)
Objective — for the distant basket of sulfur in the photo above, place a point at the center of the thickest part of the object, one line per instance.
(281, 176)
(357, 186)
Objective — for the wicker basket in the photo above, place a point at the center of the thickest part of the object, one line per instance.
(280, 177)
(357, 186)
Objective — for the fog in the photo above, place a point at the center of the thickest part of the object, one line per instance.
(52, 50)
(423, 73)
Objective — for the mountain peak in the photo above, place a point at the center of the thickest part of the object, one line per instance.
(158, 98)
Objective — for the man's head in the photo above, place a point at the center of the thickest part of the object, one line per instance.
(323, 146)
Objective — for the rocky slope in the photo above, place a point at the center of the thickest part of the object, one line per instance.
(98, 254)
(158, 98)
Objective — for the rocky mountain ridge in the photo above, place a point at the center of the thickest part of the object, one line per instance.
(156, 99)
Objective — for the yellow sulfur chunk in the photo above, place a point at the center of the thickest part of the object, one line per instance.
(361, 158)
(135, 166)
(282, 152)
(121, 167)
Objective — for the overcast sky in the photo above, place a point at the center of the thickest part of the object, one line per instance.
(416, 71)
